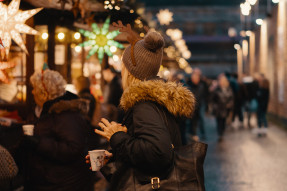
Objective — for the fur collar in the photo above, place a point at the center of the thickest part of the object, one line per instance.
(177, 99)
(79, 105)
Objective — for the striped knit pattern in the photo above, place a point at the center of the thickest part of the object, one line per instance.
(147, 62)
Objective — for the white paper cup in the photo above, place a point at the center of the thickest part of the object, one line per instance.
(28, 130)
(97, 159)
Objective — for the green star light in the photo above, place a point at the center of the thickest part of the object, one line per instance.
(100, 40)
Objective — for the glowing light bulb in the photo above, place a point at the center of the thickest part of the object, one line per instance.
(77, 35)
(237, 47)
(61, 36)
(113, 49)
(259, 21)
(275, 1)
(78, 49)
(116, 58)
(45, 35)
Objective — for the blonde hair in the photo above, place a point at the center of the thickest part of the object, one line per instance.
(127, 78)
(49, 83)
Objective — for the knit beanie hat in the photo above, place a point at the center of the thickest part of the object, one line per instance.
(143, 58)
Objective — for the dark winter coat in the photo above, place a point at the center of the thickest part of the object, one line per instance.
(199, 90)
(151, 111)
(58, 161)
(263, 99)
(222, 102)
(86, 94)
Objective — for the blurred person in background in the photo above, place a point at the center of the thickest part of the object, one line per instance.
(82, 85)
(222, 103)
(57, 148)
(112, 94)
(263, 100)
(197, 87)
(142, 145)
(239, 94)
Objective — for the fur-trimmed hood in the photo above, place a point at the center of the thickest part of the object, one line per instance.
(79, 105)
(177, 99)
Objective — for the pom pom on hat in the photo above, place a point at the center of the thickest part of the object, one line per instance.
(153, 41)
(147, 55)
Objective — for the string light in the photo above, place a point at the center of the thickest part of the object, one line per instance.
(165, 17)
(259, 21)
(45, 35)
(245, 8)
(77, 35)
(78, 49)
(237, 47)
(113, 4)
(61, 36)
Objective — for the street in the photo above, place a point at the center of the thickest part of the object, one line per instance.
(245, 162)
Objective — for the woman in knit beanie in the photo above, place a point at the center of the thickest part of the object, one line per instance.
(142, 145)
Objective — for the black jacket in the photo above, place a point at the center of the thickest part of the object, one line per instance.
(151, 111)
(222, 101)
(263, 99)
(58, 161)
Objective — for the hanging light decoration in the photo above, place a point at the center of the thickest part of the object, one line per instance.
(101, 40)
(164, 17)
(113, 4)
(12, 24)
(245, 8)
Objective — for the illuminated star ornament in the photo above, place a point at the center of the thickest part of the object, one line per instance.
(100, 40)
(164, 17)
(12, 24)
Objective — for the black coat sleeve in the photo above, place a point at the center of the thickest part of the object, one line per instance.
(68, 141)
(150, 146)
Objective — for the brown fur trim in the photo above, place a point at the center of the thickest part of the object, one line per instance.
(177, 99)
(80, 105)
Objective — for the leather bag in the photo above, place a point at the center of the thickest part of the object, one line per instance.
(8, 167)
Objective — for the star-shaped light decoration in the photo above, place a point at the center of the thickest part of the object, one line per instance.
(12, 24)
(100, 40)
(164, 17)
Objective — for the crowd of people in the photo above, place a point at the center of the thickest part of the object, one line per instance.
(227, 98)
(139, 124)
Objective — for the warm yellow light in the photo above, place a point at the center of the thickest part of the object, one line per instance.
(237, 47)
(12, 24)
(78, 49)
(45, 35)
(252, 2)
(132, 11)
(141, 34)
(245, 8)
(113, 49)
(116, 58)
(186, 54)
(98, 76)
(61, 36)
(248, 33)
(77, 35)
(165, 17)
(275, 1)
(188, 70)
(259, 21)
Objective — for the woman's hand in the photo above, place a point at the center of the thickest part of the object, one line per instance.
(108, 156)
(109, 128)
